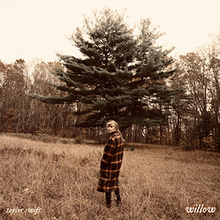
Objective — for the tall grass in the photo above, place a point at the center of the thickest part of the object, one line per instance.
(156, 182)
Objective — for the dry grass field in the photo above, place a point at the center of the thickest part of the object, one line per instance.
(57, 180)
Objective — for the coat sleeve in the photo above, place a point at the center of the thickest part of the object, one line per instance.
(108, 153)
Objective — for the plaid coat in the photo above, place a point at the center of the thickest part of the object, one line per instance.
(111, 163)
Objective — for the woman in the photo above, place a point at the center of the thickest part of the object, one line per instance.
(111, 163)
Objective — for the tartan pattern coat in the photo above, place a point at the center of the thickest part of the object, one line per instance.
(111, 163)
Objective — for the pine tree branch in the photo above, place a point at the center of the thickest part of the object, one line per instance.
(54, 100)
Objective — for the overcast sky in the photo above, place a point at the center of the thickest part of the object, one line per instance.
(38, 28)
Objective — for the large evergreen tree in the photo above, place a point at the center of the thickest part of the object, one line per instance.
(121, 75)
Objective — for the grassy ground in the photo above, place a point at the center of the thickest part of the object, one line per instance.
(58, 180)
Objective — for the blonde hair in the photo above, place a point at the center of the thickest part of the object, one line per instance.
(113, 124)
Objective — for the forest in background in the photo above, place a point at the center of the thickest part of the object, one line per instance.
(193, 121)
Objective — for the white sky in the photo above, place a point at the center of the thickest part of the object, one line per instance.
(38, 28)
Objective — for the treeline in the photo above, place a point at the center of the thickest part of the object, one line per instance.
(20, 113)
(193, 121)
(197, 122)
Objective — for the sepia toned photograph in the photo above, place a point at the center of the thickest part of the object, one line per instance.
(109, 110)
